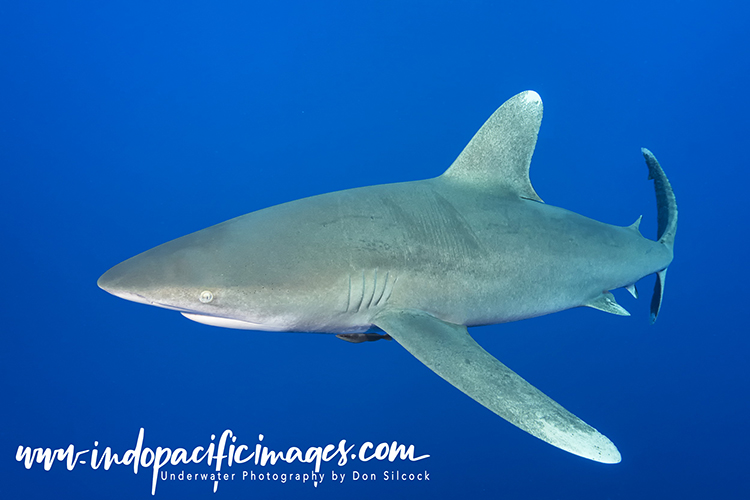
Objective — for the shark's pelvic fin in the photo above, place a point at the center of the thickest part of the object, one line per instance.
(606, 302)
(499, 154)
(448, 350)
(666, 207)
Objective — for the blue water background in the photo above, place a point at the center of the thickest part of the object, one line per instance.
(127, 124)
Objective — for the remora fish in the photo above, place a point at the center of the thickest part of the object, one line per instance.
(421, 261)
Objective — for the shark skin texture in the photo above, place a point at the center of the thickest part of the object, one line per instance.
(420, 261)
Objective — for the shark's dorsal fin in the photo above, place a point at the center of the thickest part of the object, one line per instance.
(499, 154)
(448, 350)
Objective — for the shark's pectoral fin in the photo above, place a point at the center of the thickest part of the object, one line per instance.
(448, 350)
(606, 302)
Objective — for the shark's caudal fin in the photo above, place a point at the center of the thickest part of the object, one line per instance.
(666, 206)
(499, 154)
(448, 350)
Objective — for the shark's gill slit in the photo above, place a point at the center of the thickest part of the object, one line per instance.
(361, 293)
(349, 295)
(382, 290)
(374, 288)
(387, 290)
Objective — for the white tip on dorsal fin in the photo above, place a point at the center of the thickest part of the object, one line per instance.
(499, 155)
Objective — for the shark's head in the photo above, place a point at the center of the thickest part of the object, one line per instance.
(218, 276)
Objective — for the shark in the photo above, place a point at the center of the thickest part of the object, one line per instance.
(420, 262)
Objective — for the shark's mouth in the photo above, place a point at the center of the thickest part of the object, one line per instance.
(223, 322)
(141, 299)
(132, 297)
(190, 314)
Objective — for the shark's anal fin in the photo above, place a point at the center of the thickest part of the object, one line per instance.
(448, 350)
(606, 302)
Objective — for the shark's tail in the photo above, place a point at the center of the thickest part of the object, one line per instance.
(666, 206)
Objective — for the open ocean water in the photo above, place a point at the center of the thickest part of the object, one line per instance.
(126, 124)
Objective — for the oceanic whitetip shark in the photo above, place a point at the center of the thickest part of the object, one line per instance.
(420, 261)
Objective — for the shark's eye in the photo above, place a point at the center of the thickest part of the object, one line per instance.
(206, 297)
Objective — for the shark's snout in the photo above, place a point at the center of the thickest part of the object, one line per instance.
(120, 283)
